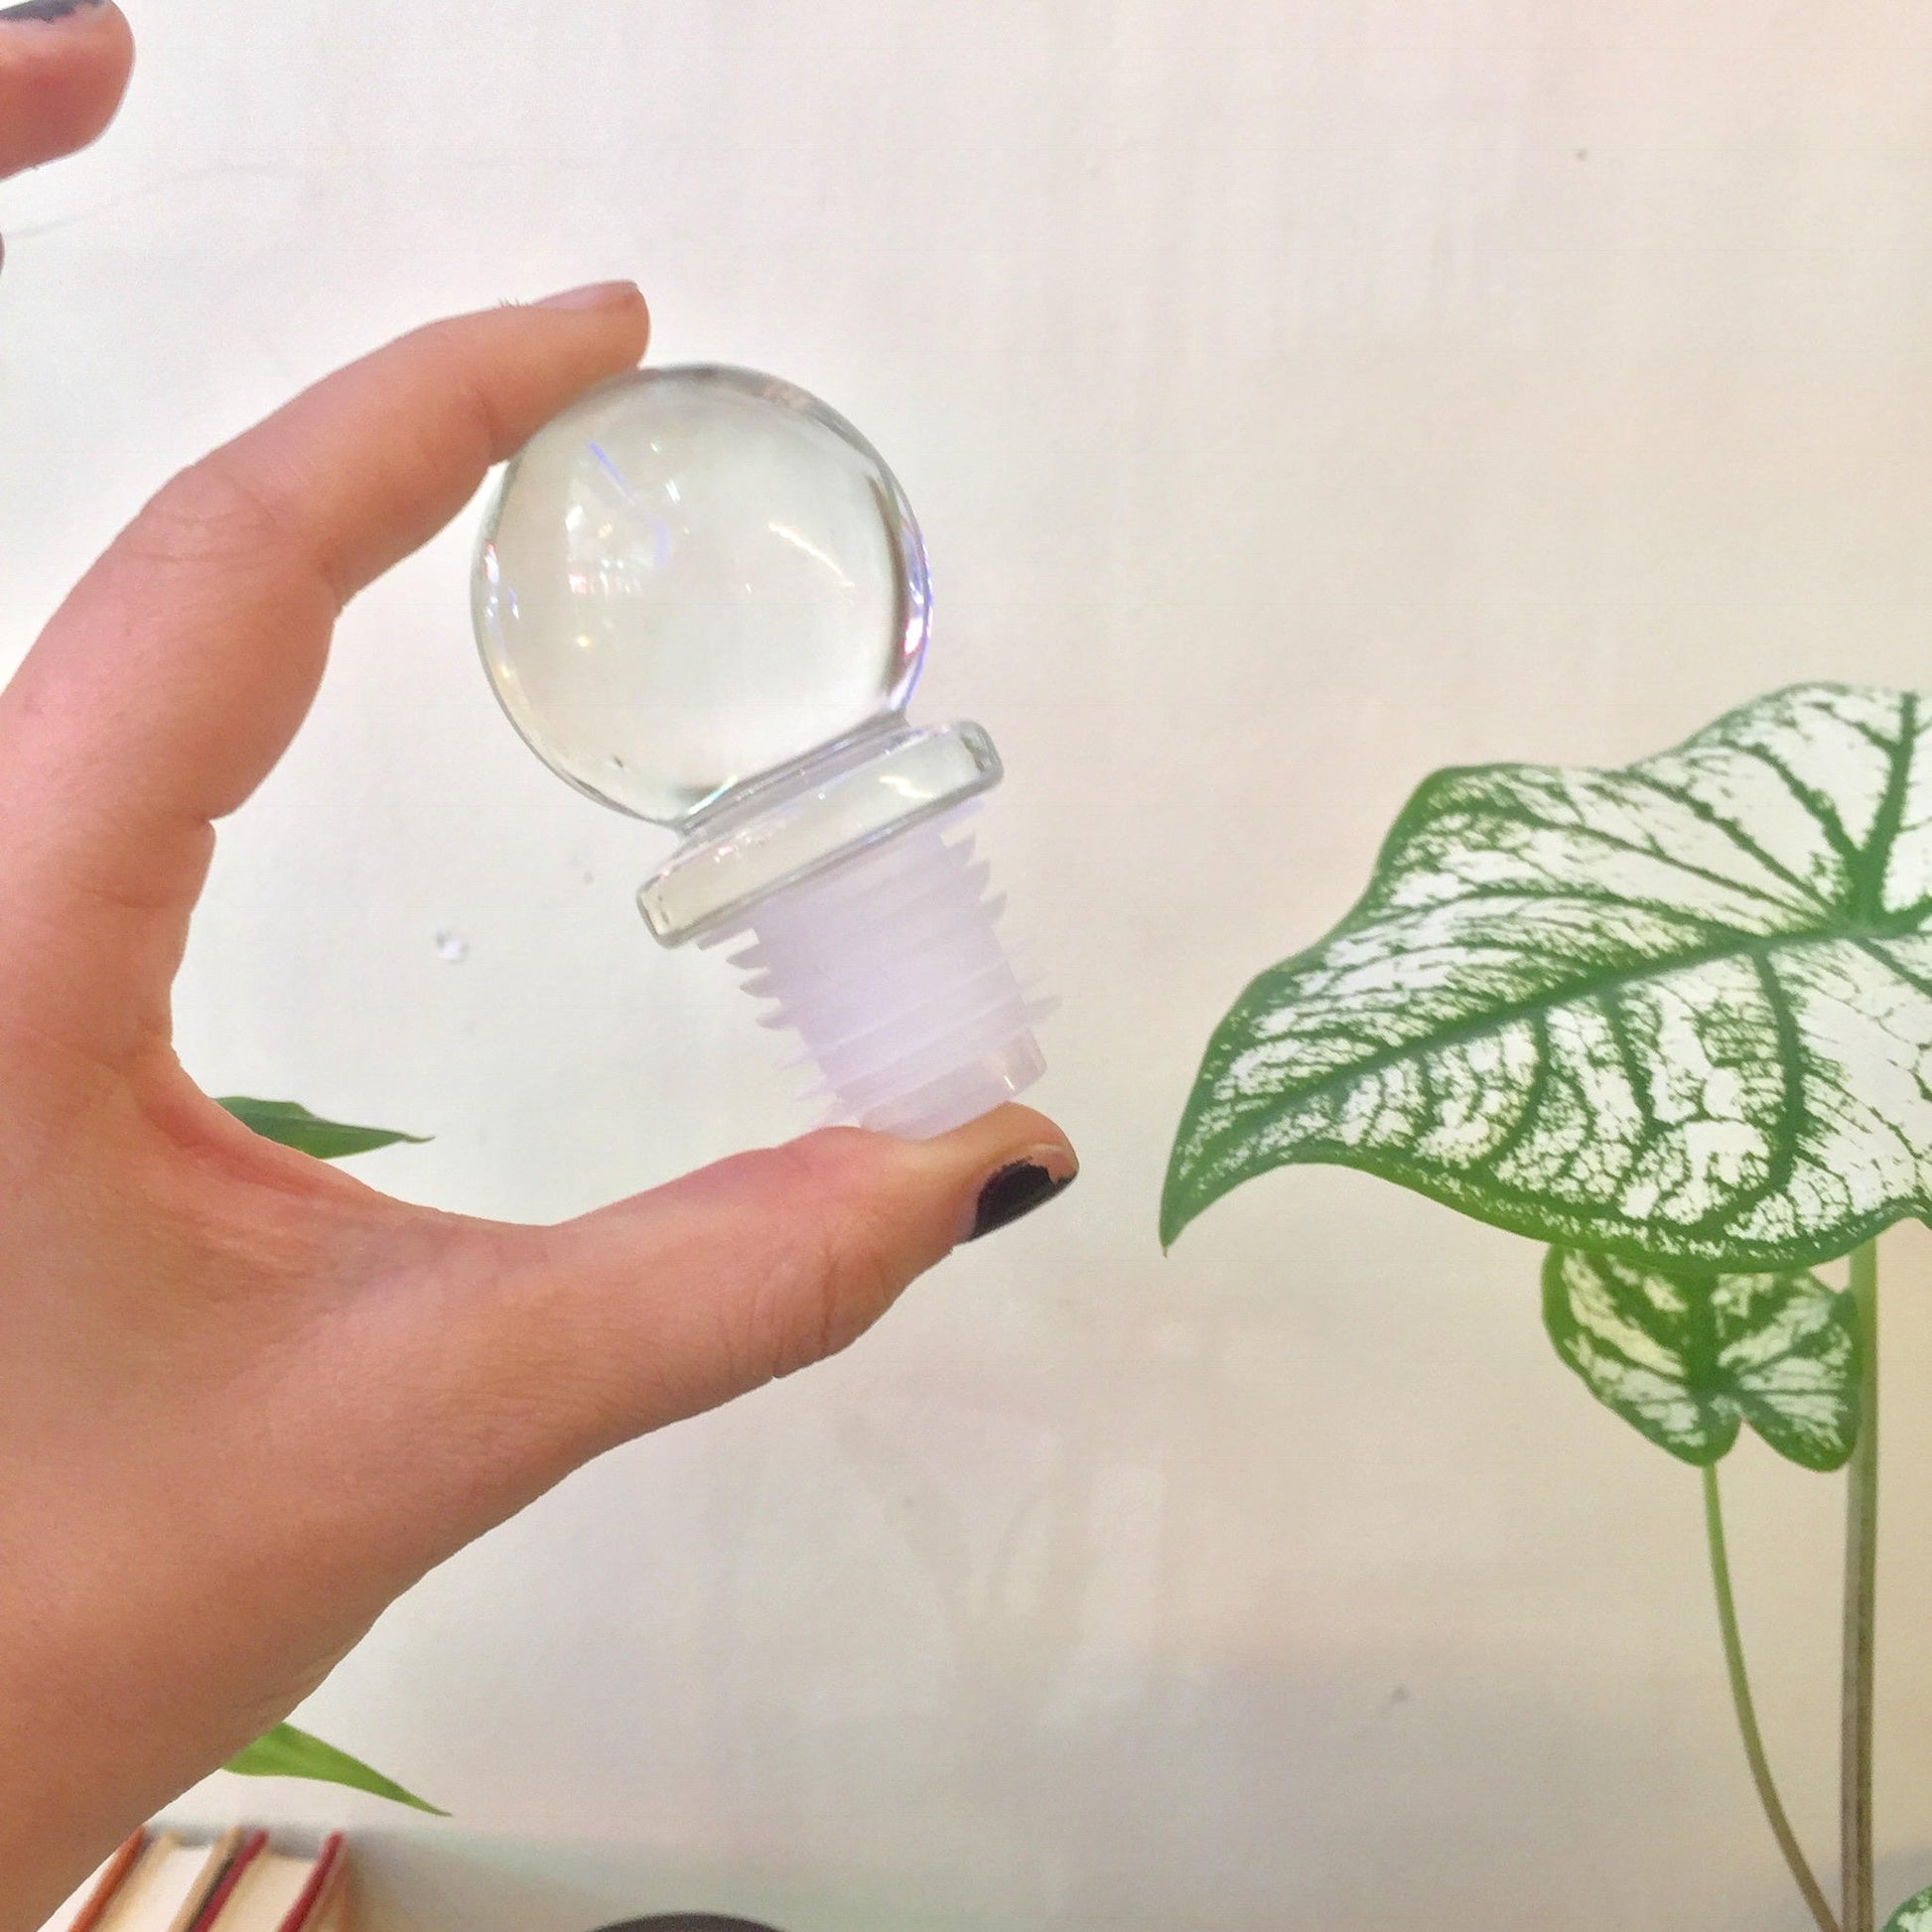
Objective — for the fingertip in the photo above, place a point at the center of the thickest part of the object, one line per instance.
(1014, 1124)
(593, 296)
(1021, 1161)
(62, 76)
(595, 332)
(966, 1183)
(613, 314)
(1008, 1134)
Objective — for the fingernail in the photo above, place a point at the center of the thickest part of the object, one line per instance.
(1017, 1190)
(46, 10)
(594, 295)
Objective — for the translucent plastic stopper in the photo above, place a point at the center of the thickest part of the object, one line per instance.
(891, 971)
(702, 597)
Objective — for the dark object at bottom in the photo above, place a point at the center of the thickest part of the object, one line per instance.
(689, 1922)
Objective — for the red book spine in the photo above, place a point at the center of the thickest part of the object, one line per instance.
(319, 1879)
(95, 1908)
(251, 1850)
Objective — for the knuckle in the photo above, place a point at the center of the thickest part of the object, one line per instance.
(209, 512)
(468, 423)
(833, 1271)
(214, 516)
(482, 412)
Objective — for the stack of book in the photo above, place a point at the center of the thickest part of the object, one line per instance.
(159, 1882)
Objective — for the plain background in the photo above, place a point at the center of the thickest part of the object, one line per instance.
(1298, 395)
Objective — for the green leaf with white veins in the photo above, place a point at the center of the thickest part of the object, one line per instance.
(1684, 1358)
(1915, 1915)
(1678, 1012)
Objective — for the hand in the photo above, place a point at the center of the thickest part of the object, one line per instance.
(244, 1400)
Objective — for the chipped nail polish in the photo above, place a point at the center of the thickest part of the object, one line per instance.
(45, 10)
(1014, 1191)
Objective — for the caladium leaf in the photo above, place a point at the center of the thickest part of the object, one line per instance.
(291, 1125)
(1915, 1915)
(286, 1753)
(1680, 1012)
(1684, 1358)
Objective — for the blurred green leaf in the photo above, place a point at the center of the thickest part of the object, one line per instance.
(292, 1124)
(286, 1753)
(1685, 1357)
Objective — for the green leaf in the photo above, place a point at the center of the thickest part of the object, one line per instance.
(1680, 1012)
(1915, 1915)
(292, 1124)
(1684, 1358)
(286, 1753)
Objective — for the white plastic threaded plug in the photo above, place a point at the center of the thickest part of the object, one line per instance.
(889, 969)
(702, 599)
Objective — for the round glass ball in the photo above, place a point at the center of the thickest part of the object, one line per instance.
(691, 577)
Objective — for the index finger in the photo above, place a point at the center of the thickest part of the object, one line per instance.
(173, 676)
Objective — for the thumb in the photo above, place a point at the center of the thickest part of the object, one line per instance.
(678, 1299)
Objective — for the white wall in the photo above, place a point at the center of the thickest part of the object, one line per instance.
(1298, 394)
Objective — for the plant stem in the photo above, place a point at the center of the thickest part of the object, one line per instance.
(1861, 1607)
(1741, 1697)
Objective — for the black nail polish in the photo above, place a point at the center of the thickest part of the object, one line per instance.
(1016, 1189)
(689, 1922)
(46, 10)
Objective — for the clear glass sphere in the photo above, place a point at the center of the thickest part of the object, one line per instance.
(692, 576)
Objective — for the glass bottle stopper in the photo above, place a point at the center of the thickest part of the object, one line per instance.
(702, 599)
